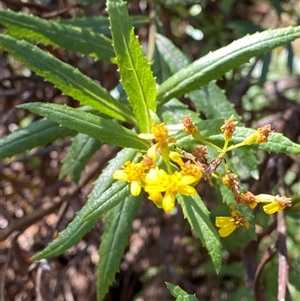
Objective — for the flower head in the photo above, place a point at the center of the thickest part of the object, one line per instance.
(274, 203)
(133, 173)
(189, 126)
(188, 167)
(162, 187)
(200, 154)
(247, 199)
(232, 182)
(261, 135)
(228, 224)
(228, 128)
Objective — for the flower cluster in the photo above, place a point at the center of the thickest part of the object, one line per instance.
(161, 185)
(163, 172)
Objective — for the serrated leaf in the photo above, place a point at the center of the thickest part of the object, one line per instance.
(81, 150)
(65, 77)
(77, 228)
(172, 55)
(174, 111)
(216, 63)
(249, 161)
(109, 199)
(179, 293)
(100, 24)
(210, 130)
(72, 38)
(94, 126)
(117, 225)
(135, 71)
(198, 217)
(277, 143)
(207, 128)
(212, 101)
(38, 133)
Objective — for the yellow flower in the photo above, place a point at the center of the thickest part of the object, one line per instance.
(228, 128)
(162, 187)
(133, 173)
(228, 224)
(276, 203)
(261, 135)
(187, 168)
(159, 132)
(189, 126)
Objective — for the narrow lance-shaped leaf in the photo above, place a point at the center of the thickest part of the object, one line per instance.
(210, 99)
(198, 216)
(72, 38)
(179, 293)
(117, 225)
(99, 128)
(65, 77)
(81, 150)
(134, 68)
(38, 133)
(77, 228)
(101, 24)
(216, 63)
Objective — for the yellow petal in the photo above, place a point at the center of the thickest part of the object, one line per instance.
(222, 221)
(272, 208)
(120, 175)
(265, 198)
(152, 152)
(168, 202)
(188, 179)
(227, 230)
(135, 188)
(146, 136)
(187, 190)
(174, 156)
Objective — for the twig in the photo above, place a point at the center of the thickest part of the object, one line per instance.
(268, 255)
(281, 243)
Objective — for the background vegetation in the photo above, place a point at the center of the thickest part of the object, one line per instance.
(35, 205)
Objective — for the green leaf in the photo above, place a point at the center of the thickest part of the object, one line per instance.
(72, 38)
(174, 111)
(277, 143)
(109, 199)
(179, 293)
(210, 130)
(99, 128)
(117, 225)
(212, 101)
(77, 228)
(135, 71)
(215, 64)
(101, 24)
(65, 77)
(81, 150)
(198, 216)
(38, 133)
(172, 55)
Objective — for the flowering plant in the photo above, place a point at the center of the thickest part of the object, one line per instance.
(174, 152)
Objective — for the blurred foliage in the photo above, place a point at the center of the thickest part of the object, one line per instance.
(264, 90)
